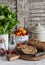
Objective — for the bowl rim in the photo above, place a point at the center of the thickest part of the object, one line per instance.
(22, 36)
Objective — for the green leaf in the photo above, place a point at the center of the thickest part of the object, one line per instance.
(2, 17)
(7, 19)
(16, 23)
(1, 29)
(5, 27)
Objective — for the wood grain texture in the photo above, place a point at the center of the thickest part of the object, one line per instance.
(27, 57)
(30, 12)
(10, 3)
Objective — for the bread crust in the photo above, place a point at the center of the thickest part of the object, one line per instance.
(36, 43)
(26, 49)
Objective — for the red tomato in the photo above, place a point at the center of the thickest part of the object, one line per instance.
(19, 44)
(18, 33)
(7, 51)
(13, 52)
(10, 52)
(2, 52)
(21, 34)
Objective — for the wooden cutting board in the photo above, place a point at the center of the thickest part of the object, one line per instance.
(38, 56)
(18, 55)
(27, 57)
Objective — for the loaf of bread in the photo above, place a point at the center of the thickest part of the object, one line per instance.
(36, 43)
(26, 49)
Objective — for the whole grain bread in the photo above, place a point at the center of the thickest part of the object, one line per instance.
(26, 49)
(36, 43)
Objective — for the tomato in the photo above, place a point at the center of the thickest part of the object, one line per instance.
(19, 44)
(13, 52)
(18, 33)
(7, 51)
(2, 52)
(10, 52)
(21, 32)
(20, 29)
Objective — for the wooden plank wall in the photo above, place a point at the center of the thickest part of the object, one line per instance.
(11, 3)
(31, 12)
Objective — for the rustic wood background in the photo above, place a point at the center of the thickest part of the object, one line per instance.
(29, 12)
(11, 3)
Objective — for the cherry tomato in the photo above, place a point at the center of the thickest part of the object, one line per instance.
(13, 52)
(7, 51)
(10, 52)
(19, 44)
(2, 52)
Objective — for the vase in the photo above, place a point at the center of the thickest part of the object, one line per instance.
(5, 37)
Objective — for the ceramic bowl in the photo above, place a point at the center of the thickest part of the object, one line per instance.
(22, 39)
